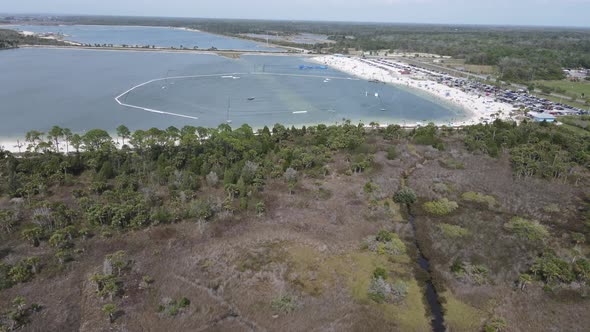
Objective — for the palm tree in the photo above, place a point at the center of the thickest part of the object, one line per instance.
(55, 134)
(67, 133)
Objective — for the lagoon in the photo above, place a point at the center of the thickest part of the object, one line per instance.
(144, 36)
(76, 89)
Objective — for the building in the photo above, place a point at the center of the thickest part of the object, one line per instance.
(540, 117)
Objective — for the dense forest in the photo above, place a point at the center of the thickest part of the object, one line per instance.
(69, 201)
(521, 53)
(12, 39)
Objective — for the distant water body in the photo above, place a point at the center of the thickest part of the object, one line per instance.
(76, 89)
(144, 36)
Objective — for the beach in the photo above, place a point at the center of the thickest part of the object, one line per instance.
(478, 108)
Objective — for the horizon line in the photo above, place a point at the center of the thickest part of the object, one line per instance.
(311, 20)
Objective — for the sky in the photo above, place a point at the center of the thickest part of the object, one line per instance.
(500, 12)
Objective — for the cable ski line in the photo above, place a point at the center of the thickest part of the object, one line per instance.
(225, 76)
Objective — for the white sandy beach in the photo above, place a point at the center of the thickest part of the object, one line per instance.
(30, 33)
(11, 145)
(477, 107)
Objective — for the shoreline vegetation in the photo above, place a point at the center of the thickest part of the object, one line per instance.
(269, 227)
(11, 39)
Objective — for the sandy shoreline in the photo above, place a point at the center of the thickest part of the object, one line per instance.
(476, 107)
(11, 145)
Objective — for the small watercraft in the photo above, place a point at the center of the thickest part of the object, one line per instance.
(251, 98)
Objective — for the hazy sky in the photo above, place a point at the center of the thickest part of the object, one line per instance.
(513, 12)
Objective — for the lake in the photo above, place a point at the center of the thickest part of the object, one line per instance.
(144, 36)
(76, 89)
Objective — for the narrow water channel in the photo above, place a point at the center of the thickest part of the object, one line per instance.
(438, 322)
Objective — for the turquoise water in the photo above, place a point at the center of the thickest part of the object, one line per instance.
(144, 36)
(76, 89)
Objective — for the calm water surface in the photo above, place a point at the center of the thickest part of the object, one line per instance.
(75, 89)
(142, 36)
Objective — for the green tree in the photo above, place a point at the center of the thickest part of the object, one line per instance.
(34, 138)
(76, 141)
(58, 240)
(106, 171)
(67, 134)
(33, 235)
(96, 139)
(405, 196)
(21, 272)
(55, 134)
(392, 153)
(124, 133)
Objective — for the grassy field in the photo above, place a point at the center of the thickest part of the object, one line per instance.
(460, 316)
(567, 101)
(579, 124)
(578, 88)
(476, 69)
(576, 129)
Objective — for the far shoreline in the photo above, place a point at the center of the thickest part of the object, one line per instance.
(280, 49)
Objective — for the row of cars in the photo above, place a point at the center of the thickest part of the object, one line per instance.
(520, 99)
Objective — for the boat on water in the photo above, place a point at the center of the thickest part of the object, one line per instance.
(251, 98)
